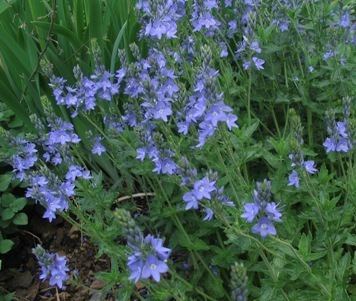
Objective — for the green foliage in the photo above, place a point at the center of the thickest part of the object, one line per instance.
(10, 205)
(313, 255)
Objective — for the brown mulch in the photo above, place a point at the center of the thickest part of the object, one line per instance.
(20, 271)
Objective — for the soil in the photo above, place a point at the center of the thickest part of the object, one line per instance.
(20, 271)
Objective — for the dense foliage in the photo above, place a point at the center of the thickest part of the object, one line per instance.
(212, 159)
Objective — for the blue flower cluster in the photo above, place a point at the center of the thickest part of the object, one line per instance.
(84, 94)
(159, 18)
(57, 141)
(263, 209)
(203, 189)
(25, 157)
(161, 158)
(341, 138)
(298, 163)
(44, 185)
(152, 82)
(148, 257)
(206, 106)
(202, 18)
(98, 148)
(53, 267)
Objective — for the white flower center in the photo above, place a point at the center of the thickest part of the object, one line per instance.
(153, 266)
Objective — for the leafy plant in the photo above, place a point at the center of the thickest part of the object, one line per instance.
(228, 130)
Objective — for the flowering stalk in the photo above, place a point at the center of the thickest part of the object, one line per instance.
(148, 257)
(53, 267)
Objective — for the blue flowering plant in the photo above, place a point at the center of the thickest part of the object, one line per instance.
(217, 162)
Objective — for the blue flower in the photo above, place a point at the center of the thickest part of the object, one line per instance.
(75, 171)
(209, 214)
(53, 267)
(254, 46)
(159, 18)
(272, 212)
(25, 157)
(345, 20)
(310, 167)
(51, 193)
(191, 200)
(203, 188)
(202, 17)
(250, 212)
(293, 179)
(98, 148)
(148, 259)
(264, 227)
(258, 63)
(263, 209)
(339, 140)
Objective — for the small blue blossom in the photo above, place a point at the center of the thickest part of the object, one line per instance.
(84, 94)
(98, 148)
(310, 167)
(53, 267)
(148, 259)
(263, 209)
(203, 188)
(206, 107)
(328, 54)
(250, 212)
(159, 18)
(258, 63)
(338, 140)
(293, 179)
(209, 214)
(202, 17)
(345, 20)
(25, 157)
(264, 227)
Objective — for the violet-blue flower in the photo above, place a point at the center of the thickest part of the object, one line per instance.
(159, 18)
(310, 167)
(53, 267)
(250, 212)
(148, 259)
(258, 63)
(262, 209)
(25, 157)
(264, 227)
(98, 148)
(203, 188)
(293, 179)
(203, 18)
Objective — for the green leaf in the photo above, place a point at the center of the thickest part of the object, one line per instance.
(7, 214)
(214, 286)
(116, 47)
(5, 181)
(18, 204)
(7, 200)
(5, 4)
(304, 244)
(5, 245)
(191, 243)
(20, 219)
